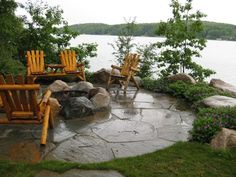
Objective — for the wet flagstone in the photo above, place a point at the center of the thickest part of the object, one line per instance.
(138, 123)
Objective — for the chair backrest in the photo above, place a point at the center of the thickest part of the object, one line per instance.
(130, 60)
(19, 98)
(68, 59)
(35, 62)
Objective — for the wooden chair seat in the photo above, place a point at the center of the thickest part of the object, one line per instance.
(21, 106)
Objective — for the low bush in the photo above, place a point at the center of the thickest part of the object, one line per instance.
(89, 76)
(209, 121)
(204, 128)
(158, 85)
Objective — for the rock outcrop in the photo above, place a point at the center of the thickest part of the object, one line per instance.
(217, 83)
(183, 77)
(218, 101)
(226, 138)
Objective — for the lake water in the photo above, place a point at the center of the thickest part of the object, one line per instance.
(218, 55)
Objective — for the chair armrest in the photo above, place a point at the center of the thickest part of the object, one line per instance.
(135, 69)
(80, 64)
(116, 67)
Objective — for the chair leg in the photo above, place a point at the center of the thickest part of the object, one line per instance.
(136, 84)
(126, 83)
(108, 82)
(45, 125)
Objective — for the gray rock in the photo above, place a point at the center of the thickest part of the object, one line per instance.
(226, 138)
(82, 86)
(96, 90)
(58, 85)
(55, 107)
(218, 101)
(77, 107)
(102, 75)
(183, 77)
(100, 101)
(217, 83)
(83, 149)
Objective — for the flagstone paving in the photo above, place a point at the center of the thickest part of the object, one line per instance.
(137, 123)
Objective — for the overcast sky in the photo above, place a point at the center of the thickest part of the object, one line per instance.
(145, 11)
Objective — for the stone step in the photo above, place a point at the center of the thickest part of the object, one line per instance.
(218, 101)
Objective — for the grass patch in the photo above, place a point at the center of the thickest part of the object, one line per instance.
(181, 159)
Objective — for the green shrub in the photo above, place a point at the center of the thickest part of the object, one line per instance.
(178, 88)
(89, 76)
(159, 85)
(210, 121)
(204, 129)
(149, 83)
(193, 92)
(200, 91)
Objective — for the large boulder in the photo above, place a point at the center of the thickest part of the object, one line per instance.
(77, 107)
(226, 138)
(102, 75)
(96, 90)
(82, 86)
(217, 83)
(58, 85)
(55, 107)
(100, 101)
(183, 77)
(218, 101)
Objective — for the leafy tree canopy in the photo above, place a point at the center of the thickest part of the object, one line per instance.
(181, 43)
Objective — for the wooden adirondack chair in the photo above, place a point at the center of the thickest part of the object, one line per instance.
(127, 71)
(68, 60)
(36, 66)
(21, 106)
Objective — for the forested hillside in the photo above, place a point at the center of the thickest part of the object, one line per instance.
(212, 30)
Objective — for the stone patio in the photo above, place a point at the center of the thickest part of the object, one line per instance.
(137, 123)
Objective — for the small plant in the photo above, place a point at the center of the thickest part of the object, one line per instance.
(89, 76)
(159, 85)
(210, 121)
(204, 129)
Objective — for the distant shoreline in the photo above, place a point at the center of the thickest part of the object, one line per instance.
(212, 30)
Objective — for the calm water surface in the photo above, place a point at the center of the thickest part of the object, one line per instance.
(218, 55)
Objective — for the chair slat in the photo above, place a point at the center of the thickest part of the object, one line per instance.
(15, 96)
(37, 64)
(4, 99)
(42, 65)
(34, 67)
(23, 93)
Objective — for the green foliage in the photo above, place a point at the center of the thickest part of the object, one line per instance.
(193, 93)
(204, 129)
(209, 121)
(84, 51)
(147, 60)
(149, 83)
(179, 88)
(89, 76)
(11, 26)
(44, 32)
(181, 43)
(211, 30)
(123, 45)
